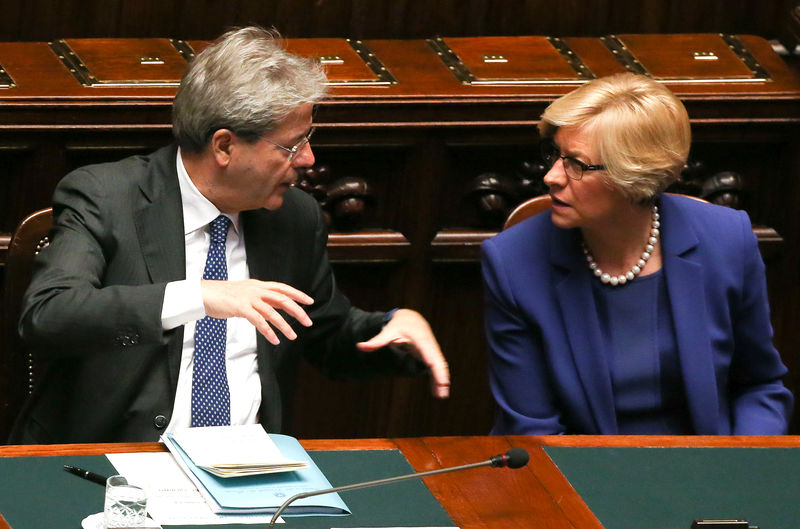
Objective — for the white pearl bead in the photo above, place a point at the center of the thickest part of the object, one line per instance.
(649, 248)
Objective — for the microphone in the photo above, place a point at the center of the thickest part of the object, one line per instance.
(513, 458)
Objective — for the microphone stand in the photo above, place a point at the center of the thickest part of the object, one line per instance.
(495, 461)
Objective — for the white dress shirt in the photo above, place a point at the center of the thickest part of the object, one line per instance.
(183, 305)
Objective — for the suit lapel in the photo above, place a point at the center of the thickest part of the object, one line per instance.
(159, 226)
(263, 250)
(684, 276)
(582, 325)
(159, 220)
(266, 262)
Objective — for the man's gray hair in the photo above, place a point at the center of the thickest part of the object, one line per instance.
(245, 82)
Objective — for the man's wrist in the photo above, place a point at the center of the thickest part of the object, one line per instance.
(388, 316)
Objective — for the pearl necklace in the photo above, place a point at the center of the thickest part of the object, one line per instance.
(621, 279)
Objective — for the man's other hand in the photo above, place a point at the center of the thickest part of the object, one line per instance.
(257, 301)
(408, 328)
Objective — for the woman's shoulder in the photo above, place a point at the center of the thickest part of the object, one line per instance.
(698, 207)
(712, 224)
(532, 232)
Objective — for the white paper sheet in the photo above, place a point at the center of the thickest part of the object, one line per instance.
(231, 451)
(172, 499)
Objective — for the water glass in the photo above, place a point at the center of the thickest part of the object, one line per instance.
(126, 505)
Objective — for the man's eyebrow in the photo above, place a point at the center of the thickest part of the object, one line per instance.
(302, 135)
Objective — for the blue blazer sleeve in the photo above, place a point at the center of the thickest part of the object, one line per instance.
(760, 404)
(519, 378)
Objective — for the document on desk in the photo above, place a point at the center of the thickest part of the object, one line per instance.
(172, 499)
(266, 492)
(234, 451)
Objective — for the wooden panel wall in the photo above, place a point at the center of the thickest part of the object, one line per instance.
(42, 20)
(436, 156)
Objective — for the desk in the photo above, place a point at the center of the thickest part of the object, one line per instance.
(538, 495)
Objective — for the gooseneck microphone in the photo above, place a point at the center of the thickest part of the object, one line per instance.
(513, 458)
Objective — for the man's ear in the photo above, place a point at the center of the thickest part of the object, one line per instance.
(222, 144)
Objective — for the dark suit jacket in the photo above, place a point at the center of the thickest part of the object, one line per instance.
(93, 309)
(547, 374)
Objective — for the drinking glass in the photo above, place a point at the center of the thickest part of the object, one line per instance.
(126, 505)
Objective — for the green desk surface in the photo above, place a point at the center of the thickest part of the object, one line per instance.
(664, 488)
(36, 493)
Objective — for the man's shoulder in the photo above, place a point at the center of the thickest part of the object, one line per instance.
(131, 166)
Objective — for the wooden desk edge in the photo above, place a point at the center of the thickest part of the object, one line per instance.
(401, 443)
(427, 453)
(111, 448)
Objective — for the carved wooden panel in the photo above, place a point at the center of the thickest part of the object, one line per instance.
(418, 174)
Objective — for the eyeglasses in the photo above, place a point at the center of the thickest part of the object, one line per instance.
(573, 167)
(297, 147)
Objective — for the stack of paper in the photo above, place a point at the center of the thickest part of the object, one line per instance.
(231, 451)
(262, 493)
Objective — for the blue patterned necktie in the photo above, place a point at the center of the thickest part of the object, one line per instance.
(211, 399)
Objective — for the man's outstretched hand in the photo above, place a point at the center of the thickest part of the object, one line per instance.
(409, 329)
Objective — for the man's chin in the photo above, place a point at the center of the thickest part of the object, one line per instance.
(275, 201)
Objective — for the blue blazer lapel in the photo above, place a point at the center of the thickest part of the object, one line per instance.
(582, 325)
(685, 284)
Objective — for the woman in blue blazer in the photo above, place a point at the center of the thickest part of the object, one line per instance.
(625, 310)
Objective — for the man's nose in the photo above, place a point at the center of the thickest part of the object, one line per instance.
(304, 157)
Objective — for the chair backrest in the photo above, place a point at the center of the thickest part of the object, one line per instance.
(529, 208)
(534, 206)
(17, 367)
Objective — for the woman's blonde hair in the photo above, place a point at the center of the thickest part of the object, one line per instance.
(640, 130)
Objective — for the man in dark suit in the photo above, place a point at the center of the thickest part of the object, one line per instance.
(140, 332)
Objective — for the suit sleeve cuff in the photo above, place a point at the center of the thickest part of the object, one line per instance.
(183, 302)
(388, 316)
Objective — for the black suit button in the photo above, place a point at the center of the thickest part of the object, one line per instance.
(160, 422)
(133, 340)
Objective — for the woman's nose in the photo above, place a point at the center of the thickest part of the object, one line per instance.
(556, 175)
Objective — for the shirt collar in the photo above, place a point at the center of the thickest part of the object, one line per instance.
(198, 211)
